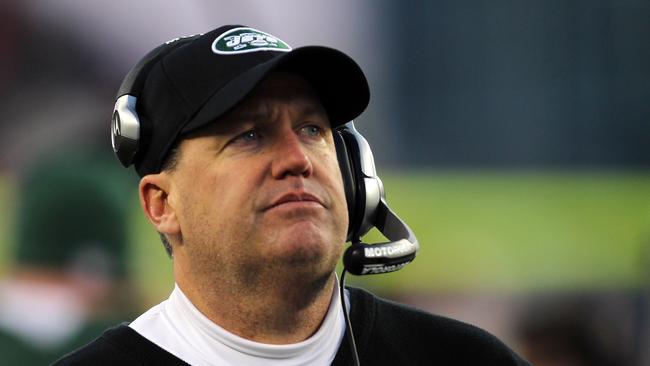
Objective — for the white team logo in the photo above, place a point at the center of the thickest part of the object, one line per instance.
(243, 39)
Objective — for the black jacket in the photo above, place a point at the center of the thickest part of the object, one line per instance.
(386, 333)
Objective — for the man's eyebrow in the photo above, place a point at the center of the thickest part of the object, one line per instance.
(257, 115)
(246, 115)
(312, 109)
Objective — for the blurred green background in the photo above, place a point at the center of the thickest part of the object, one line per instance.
(499, 230)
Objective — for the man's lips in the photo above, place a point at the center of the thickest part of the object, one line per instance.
(297, 199)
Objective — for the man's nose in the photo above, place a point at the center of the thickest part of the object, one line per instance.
(290, 158)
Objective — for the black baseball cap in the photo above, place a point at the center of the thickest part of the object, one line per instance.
(189, 82)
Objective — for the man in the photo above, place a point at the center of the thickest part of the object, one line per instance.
(232, 134)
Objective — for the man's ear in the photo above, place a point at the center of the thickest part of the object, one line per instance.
(154, 193)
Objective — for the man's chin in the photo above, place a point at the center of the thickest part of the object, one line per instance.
(302, 246)
(296, 252)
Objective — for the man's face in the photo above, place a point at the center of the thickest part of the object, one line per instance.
(260, 189)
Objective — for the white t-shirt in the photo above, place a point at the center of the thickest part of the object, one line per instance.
(177, 326)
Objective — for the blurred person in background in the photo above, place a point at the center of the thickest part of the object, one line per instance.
(68, 279)
(573, 331)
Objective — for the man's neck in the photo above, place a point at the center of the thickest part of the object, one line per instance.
(282, 312)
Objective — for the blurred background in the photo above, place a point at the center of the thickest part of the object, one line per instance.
(512, 136)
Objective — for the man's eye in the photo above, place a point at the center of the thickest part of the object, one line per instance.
(312, 131)
(248, 136)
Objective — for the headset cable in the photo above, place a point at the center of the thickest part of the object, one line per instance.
(353, 346)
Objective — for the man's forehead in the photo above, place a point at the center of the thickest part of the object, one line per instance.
(283, 86)
(264, 103)
(277, 90)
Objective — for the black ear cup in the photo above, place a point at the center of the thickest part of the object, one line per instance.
(348, 178)
(355, 190)
(352, 193)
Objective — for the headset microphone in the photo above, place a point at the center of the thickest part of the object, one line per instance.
(362, 259)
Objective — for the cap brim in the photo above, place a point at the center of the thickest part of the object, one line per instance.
(336, 78)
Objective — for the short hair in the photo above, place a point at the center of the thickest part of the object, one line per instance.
(166, 244)
(171, 160)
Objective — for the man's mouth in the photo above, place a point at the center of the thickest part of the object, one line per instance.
(296, 199)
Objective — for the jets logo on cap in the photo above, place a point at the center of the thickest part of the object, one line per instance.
(243, 40)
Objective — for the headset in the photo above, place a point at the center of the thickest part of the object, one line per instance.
(364, 190)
